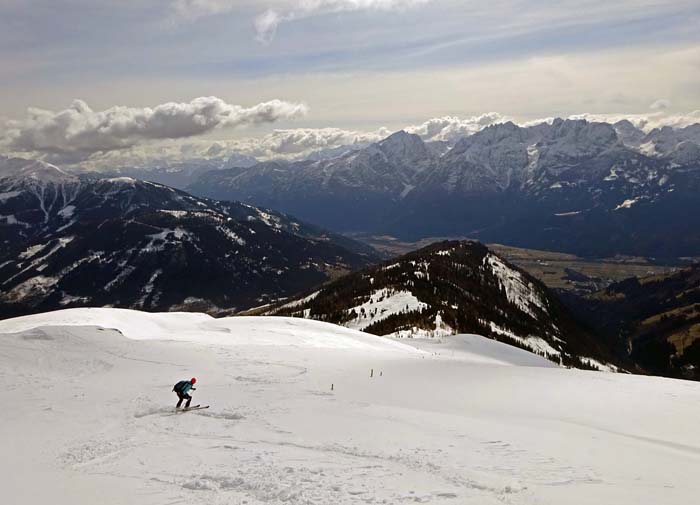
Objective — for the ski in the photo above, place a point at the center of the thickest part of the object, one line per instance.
(196, 407)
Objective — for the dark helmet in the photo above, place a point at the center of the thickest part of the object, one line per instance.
(193, 380)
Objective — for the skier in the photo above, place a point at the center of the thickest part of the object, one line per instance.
(182, 390)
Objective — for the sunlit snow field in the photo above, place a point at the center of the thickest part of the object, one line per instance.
(89, 418)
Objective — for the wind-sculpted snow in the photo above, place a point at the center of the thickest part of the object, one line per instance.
(461, 421)
(204, 329)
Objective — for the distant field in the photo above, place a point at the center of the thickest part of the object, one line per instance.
(566, 271)
(395, 247)
(557, 270)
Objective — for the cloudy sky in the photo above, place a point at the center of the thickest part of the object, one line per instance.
(83, 78)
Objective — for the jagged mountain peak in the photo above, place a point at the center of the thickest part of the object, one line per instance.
(628, 133)
(578, 131)
(404, 148)
(665, 140)
(569, 141)
(489, 135)
(401, 138)
(543, 186)
(686, 152)
(576, 134)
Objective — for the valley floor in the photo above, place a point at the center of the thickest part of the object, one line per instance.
(558, 270)
(89, 418)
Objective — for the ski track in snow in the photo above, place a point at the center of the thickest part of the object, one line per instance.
(466, 421)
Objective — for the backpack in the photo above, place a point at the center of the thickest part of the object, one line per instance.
(177, 388)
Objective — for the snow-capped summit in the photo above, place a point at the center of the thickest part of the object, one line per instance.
(663, 141)
(490, 160)
(405, 148)
(358, 185)
(685, 153)
(628, 133)
(35, 170)
(508, 157)
(567, 141)
(31, 192)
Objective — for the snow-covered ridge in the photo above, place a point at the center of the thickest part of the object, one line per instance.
(449, 288)
(204, 329)
(301, 301)
(34, 170)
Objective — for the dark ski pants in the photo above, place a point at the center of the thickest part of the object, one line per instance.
(183, 397)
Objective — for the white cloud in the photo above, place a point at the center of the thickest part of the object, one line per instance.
(290, 144)
(450, 128)
(193, 9)
(660, 104)
(287, 144)
(266, 24)
(79, 129)
(645, 122)
(674, 120)
(306, 140)
(300, 142)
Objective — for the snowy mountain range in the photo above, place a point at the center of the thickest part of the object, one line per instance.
(570, 185)
(450, 288)
(74, 241)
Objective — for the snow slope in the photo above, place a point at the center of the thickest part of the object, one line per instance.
(479, 350)
(204, 329)
(462, 422)
(382, 304)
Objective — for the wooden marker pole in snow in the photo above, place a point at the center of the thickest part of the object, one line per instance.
(332, 387)
(371, 373)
